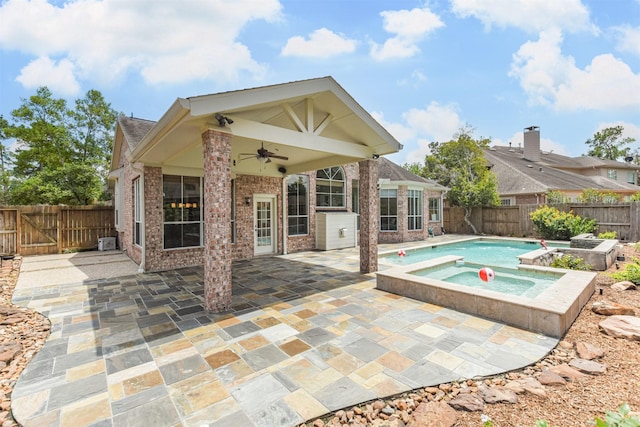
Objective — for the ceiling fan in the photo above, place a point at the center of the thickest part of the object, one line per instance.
(263, 155)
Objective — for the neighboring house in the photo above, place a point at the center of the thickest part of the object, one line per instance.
(227, 176)
(526, 174)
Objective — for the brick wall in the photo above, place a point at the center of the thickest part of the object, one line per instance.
(247, 186)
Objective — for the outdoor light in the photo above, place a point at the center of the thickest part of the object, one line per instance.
(223, 120)
(247, 201)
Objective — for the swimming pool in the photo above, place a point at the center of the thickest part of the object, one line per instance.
(509, 281)
(493, 252)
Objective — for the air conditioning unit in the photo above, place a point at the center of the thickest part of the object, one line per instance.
(106, 243)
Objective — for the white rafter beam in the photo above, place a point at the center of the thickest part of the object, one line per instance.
(293, 117)
(309, 141)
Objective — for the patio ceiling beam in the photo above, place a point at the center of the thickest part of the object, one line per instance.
(322, 163)
(308, 141)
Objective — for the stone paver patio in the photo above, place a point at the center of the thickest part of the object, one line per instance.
(307, 334)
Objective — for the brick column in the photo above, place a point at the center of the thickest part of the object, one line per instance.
(217, 219)
(369, 216)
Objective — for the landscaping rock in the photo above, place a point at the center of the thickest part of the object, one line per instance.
(588, 366)
(567, 372)
(622, 327)
(437, 414)
(468, 402)
(607, 308)
(551, 378)
(588, 351)
(533, 386)
(625, 285)
(498, 395)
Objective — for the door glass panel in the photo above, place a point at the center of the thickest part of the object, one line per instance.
(263, 220)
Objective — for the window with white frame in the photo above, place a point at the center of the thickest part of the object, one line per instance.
(137, 213)
(612, 174)
(505, 201)
(330, 188)
(298, 205)
(388, 209)
(182, 207)
(414, 215)
(631, 177)
(434, 209)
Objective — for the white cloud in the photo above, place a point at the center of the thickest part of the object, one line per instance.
(322, 43)
(628, 39)
(550, 78)
(409, 27)
(45, 72)
(532, 16)
(163, 41)
(436, 122)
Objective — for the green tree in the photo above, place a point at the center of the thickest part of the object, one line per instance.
(6, 160)
(63, 153)
(92, 126)
(555, 197)
(460, 165)
(609, 144)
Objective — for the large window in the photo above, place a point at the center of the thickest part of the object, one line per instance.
(298, 205)
(137, 213)
(389, 209)
(612, 174)
(631, 177)
(330, 188)
(182, 206)
(414, 215)
(434, 209)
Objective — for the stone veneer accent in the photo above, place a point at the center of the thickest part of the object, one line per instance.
(217, 217)
(369, 216)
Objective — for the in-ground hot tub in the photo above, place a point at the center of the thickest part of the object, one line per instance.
(550, 312)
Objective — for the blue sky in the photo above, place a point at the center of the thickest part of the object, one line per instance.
(423, 69)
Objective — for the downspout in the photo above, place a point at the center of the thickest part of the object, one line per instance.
(285, 225)
(143, 233)
(442, 194)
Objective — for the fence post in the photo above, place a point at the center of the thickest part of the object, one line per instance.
(634, 217)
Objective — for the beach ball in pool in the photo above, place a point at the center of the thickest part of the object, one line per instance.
(486, 274)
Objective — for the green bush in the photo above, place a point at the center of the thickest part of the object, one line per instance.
(630, 272)
(635, 197)
(571, 263)
(556, 197)
(618, 419)
(607, 235)
(554, 224)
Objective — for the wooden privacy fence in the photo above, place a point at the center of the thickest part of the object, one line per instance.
(623, 218)
(39, 230)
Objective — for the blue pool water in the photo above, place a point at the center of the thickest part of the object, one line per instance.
(502, 253)
(509, 281)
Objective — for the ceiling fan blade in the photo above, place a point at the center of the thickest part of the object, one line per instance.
(275, 156)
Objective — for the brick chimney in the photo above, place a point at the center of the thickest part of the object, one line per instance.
(532, 143)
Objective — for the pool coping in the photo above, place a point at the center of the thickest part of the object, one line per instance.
(551, 312)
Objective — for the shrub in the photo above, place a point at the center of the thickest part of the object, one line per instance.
(571, 263)
(608, 235)
(556, 197)
(590, 195)
(630, 272)
(635, 197)
(554, 224)
(619, 419)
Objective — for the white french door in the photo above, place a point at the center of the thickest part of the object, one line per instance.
(264, 225)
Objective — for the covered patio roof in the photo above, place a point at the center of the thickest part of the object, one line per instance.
(312, 123)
